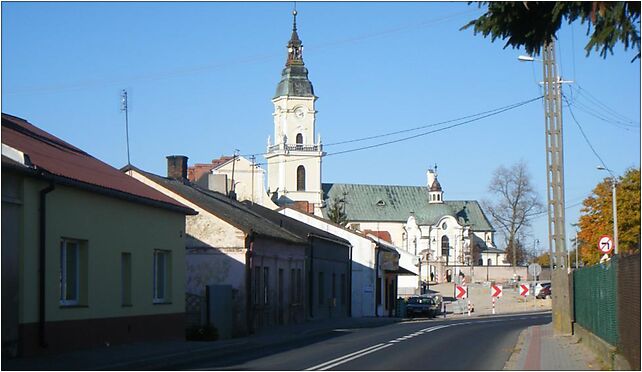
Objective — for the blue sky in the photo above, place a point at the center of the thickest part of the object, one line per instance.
(201, 76)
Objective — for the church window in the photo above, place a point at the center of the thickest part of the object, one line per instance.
(445, 246)
(299, 138)
(300, 178)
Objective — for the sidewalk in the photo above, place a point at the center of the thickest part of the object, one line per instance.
(538, 349)
(165, 354)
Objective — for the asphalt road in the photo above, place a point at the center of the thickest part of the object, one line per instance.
(483, 343)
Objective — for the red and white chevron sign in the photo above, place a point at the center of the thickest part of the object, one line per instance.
(496, 290)
(524, 290)
(462, 292)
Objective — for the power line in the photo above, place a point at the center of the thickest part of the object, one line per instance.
(495, 112)
(584, 135)
(480, 115)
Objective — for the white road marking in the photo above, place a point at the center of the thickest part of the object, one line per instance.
(354, 357)
(319, 366)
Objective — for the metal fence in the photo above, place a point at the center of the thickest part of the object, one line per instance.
(595, 300)
(628, 302)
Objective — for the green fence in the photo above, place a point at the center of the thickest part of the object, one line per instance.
(595, 300)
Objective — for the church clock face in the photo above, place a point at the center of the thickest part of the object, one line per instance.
(299, 112)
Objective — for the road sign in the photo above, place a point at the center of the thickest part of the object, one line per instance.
(605, 244)
(462, 292)
(496, 290)
(524, 290)
(534, 269)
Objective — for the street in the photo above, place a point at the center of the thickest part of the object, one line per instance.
(483, 343)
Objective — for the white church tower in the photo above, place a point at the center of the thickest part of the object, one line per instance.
(294, 158)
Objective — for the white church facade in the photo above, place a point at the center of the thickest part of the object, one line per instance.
(443, 236)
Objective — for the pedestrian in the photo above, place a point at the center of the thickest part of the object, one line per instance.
(432, 276)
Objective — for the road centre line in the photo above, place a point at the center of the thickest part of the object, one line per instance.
(354, 357)
(358, 354)
(319, 366)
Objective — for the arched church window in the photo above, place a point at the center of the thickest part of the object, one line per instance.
(480, 262)
(300, 178)
(299, 141)
(490, 262)
(445, 246)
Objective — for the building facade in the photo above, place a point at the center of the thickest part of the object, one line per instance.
(90, 257)
(294, 153)
(247, 271)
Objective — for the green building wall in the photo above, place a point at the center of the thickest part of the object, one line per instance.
(107, 227)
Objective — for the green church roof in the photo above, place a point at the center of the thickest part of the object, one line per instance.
(396, 203)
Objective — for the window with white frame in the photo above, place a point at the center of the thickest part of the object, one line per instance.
(161, 276)
(69, 272)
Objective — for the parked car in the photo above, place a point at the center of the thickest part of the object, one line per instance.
(426, 305)
(543, 290)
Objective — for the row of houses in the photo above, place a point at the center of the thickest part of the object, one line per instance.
(93, 255)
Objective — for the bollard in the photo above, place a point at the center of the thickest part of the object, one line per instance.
(468, 307)
(443, 308)
(493, 305)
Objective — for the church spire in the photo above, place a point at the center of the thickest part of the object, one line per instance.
(295, 47)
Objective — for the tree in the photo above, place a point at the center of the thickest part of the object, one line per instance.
(337, 212)
(516, 204)
(596, 218)
(533, 24)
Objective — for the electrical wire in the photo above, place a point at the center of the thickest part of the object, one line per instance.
(486, 113)
(584, 135)
(407, 138)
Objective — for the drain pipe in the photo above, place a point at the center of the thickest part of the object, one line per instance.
(377, 291)
(42, 261)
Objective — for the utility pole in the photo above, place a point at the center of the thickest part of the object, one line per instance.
(253, 167)
(123, 107)
(555, 189)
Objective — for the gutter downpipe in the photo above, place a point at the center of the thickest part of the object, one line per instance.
(42, 262)
(310, 282)
(377, 294)
(248, 282)
(349, 289)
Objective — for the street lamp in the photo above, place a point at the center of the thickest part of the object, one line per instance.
(614, 192)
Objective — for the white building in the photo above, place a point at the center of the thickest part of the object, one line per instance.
(440, 237)
(294, 154)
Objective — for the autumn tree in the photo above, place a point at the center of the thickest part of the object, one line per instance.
(533, 24)
(337, 212)
(596, 217)
(516, 203)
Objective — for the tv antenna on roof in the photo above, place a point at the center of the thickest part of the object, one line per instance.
(123, 107)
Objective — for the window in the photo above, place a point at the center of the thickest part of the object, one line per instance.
(299, 139)
(266, 288)
(490, 262)
(445, 246)
(257, 285)
(299, 286)
(300, 178)
(343, 289)
(126, 279)
(161, 276)
(334, 286)
(292, 286)
(321, 292)
(69, 272)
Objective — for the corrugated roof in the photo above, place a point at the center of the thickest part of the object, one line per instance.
(59, 158)
(231, 211)
(396, 203)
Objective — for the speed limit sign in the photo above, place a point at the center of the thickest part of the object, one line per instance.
(605, 244)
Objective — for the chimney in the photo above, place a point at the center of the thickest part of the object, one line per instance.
(431, 177)
(177, 167)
